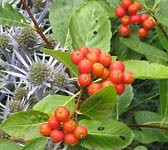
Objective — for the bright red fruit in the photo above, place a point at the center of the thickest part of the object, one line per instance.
(144, 17)
(148, 24)
(97, 69)
(138, 5)
(53, 123)
(126, 3)
(94, 87)
(105, 74)
(128, 77)
(70, 139)
(117, 65)
(135, 19)
(76, 57)
(116, 76)
(84, 79)
(124, 31)
(142, 33)
(45, 129)
(69, 126)
(132, 9)
(85, 66)
(92, 57)
(120, 12)
(57, 135)
(62, 114)
(120, 88)
(84, 50)
(125, 20)
(80, 132)
(107, 83)
(95, 50)
(105, 59)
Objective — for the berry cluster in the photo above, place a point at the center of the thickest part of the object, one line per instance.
(61, 128)
(94, 64)
(128, 14)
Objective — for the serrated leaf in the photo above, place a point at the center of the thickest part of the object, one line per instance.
(24, 125)
(36, 144)
(11, 17)
(151, 118)
(59, 17)
(64, 57)
(89, 26)
(106, 135)
(100, 104)
(8, 145)
(146, 70)
(152, 53)
(50, 103)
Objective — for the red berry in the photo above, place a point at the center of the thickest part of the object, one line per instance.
(95, 50)
(105, 59)
(138, 5)
(84, 79)
(120, 12)
(45, 129)
(62, 114)
(142, 32)
(135, 19)
(97, 69)
(107, 83)
(126, 3)
(76, 57)
(105, 74)
(132, 9)
(124, 31)
(53, 123)
(84, 50)
(92, 57)
(143, 17)
(69, 126)
(70, 139)
(117, 65)
(116, 76)
(94, 87)
(125, 20)
(57, 135)
(128, 77)
(80, 132)
(120, 88)
(85, 66)
(148, 24)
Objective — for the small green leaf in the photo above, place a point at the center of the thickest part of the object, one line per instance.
(140, 148)
(11, 17)
(50, 103)
(152, 53)
(146, 70)
(107, 134)
(9, 145)
(36, 144)
(64, 57)
(100, 104)
(24, 125)
(89, 26)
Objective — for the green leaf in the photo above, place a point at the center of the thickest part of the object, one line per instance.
(89, 26)
(106, 135)
(125, 99)
(59, 17)
(146, 70)
(152, 53)
(144, 137)
(163, 6)
(36, 144)
(162, 38)
(163, 90)
(162, 19)
(64, 57)
(50, 103)
(151, 118)
(140, 148)
(11, 17)
(24, 125)
(9, 145)
(100, 104)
